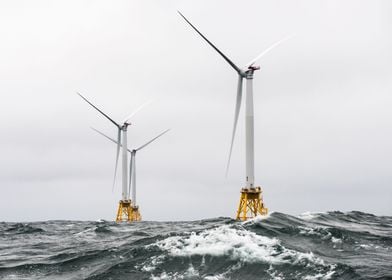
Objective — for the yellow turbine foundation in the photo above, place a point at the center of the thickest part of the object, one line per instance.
(251, 204)
(124, 212)
(127, 213)
(135, 216)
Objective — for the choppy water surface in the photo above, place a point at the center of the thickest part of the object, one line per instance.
(330, 245)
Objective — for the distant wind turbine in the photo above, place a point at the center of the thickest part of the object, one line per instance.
(120, 142)
(132, 163)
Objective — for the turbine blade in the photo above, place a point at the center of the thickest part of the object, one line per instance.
(111, 139)
(268, 50)
(236, 113)
(153, 139)
(85, 99)
(117, 155)
(236, 68)
(104, 135)
(130, 173)
(126, 120)
(134, 180)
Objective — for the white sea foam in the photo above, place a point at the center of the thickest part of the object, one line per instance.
(365, 246)
(275, 275)
(224, 241)
(308, 231)
(336, 240)
(241, 245)
(320, 276)
(257, 219)
(85, 231)
(162, 276)
(237, 244)
(151, 263)
(309, 215)
(321, 232)
(190, 273)
(215, 277)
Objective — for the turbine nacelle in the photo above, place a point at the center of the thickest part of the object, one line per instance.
(247, 71)
(250, 71)
(125, 126)
(253, 68)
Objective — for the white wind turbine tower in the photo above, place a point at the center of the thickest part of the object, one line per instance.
(124, 211)
(251, 201)
(132, 171)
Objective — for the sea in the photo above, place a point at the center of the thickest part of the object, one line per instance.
(331, 245)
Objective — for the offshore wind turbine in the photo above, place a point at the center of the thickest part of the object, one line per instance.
(132, 171)
(251, 202)
(124, 207)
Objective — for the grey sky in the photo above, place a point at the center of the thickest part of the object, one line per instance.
(322, 106)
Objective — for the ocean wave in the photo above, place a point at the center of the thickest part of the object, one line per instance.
(239, 244)
(330, 245)
(23, 228)
(223, 241)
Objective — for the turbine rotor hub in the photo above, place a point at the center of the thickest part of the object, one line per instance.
(253, 67)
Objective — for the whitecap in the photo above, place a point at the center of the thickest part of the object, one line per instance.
(85, 231)
(257, 219)
(237, 244)
(223, 241)
(309, 215)
(336, 240)
(190, 273)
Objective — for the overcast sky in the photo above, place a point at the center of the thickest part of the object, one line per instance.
(323, 118)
